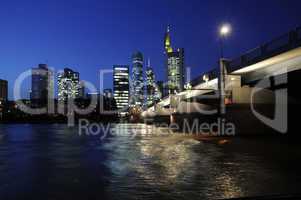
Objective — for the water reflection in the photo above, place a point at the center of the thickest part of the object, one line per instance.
(165, 162)
(139, 161)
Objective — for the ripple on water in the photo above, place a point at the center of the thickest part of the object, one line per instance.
(135, 164)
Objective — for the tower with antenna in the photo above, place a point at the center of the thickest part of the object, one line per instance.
(150, 85)
(174, 65)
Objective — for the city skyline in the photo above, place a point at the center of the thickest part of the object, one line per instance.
(88, 40)
(152, 99)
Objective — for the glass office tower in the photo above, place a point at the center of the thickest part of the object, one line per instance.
(121, 85)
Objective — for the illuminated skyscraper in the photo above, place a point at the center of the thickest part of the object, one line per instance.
(68, 85)
(167, 41)
(137, 96)
(121, 85)
(39, 83)
(150, 85)
(175, 65)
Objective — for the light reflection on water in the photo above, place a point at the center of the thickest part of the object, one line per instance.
(165, 163)
(134, 164)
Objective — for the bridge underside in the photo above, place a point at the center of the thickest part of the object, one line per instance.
(238, 113)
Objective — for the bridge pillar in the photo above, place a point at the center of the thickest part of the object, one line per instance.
(222, 78)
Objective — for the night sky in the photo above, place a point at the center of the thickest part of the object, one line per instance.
(89, 35)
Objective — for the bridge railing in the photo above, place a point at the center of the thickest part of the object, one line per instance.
(212, 74)
(277, 46)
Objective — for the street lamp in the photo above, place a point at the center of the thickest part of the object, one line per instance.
(224, 31)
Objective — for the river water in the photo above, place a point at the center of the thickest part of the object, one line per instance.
(56, 162)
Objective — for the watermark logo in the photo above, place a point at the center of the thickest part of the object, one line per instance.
(219, 128)
(175, 103)
(279, 121)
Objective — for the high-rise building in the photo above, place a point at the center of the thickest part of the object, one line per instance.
(68, 85)
(3, 90)
(82, 90)
(39, 84)
(150, 85)
(108, 93)
(175, 65)
(159, 91)
(109, 101)
(137, 92)
(3, 96)
(121, 85)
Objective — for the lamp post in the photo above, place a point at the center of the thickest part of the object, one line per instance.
(224, 31)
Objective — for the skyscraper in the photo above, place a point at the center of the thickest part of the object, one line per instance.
(108, 93)
(159, 91)
(68, 85)
(175, 65)
(150, 85)
(137, 92)
(39, 84)
(3, 96)
(82, 90)
(109, 102)
(3, 90)
(121, 85)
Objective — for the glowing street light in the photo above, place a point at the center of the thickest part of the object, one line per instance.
(225, 30)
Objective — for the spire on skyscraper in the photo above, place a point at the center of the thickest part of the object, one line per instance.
(167, 41)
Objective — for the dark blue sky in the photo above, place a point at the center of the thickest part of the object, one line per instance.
(89, 35)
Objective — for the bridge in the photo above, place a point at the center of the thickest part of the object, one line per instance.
(236, 77)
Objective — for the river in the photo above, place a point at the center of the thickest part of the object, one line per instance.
(56, 162)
